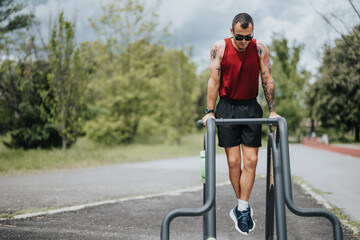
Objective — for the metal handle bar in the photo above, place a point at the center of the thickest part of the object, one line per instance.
(242, 121)
(282, 167)
(305, 212)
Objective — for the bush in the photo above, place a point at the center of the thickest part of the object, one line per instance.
(32, 131)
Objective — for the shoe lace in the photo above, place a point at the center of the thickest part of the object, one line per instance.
(244, 217)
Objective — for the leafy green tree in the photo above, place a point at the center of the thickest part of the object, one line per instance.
(124, 22)
(201, 92)
(126, 100)
(290, 82)
(334, 99)
(180, 92)
(66, 83)
(10, 22)
(10, 19)
(124, 84)
(28, 129)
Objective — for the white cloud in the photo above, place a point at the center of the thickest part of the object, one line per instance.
(202, 22)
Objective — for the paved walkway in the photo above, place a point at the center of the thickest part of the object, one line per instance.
(335, 175)
(140, 219)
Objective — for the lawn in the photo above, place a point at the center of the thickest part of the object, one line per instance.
(85, 153)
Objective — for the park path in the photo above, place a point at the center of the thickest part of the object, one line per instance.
(334, 174)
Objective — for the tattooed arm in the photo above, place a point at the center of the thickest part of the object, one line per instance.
(266, 78)
(216, 54)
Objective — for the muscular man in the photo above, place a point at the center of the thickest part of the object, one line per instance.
(234, 75)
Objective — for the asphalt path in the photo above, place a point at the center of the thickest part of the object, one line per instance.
(141, 220)
(335, 175)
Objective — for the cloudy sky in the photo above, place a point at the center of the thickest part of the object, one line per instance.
(199, 23)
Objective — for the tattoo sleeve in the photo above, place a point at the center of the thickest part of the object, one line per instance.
(267, 80)
(267, 62)
(269, 91)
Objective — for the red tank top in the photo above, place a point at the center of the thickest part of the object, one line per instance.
(239, 72)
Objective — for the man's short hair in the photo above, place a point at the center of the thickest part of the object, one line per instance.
(244, 19)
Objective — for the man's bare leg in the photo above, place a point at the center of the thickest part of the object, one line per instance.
(242, 180)
(247, 178)
(233, 155)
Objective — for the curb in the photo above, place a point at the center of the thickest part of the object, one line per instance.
(321, 200)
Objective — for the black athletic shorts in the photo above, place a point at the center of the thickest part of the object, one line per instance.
(234, 135)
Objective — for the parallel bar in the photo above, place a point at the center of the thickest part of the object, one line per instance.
(279, 192)
(204, 192)
(209, 219)
(282, 177)
(306, 212)
(269, 207)
(241, 121)
(210, 187)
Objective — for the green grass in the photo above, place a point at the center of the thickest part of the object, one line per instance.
(85, 153)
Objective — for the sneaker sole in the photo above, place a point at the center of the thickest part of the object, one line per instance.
(232, 216)
(251, 213)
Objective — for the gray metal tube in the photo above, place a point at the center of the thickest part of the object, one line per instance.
(269, 210)
(210, 186)
(283, 188)
(237, 121)
(210, 178)
(306, 212)
(279, 192)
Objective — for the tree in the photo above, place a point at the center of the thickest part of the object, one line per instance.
(290, 82)
(66, 83)
(125, 98)
(181, 94)
(10, 22)
(201, 85)
(124, 22)
(127, 72)
(29, 130)
(335, 97)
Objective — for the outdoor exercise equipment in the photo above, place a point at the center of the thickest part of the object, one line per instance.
(278, 184)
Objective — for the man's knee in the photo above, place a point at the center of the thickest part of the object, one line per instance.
(250, 162)
(234, 162)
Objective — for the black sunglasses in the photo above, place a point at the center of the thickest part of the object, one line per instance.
(241, 37)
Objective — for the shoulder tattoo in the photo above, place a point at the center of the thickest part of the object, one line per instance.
(213, 52)
(260, 47)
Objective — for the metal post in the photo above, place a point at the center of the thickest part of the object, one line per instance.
(210, 187)
(282, 184)
(309, 212)
(209, 219)
(210, 179)
(279, 192)
(269, 219)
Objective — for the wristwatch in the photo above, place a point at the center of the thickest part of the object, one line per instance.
(208, 110)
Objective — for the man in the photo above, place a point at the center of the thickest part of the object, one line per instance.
(234, 75)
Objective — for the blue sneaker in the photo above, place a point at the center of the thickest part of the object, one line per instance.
(241, 220)
(251, 222)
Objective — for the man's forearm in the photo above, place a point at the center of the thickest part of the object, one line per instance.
(213, 91)
(269, 91)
